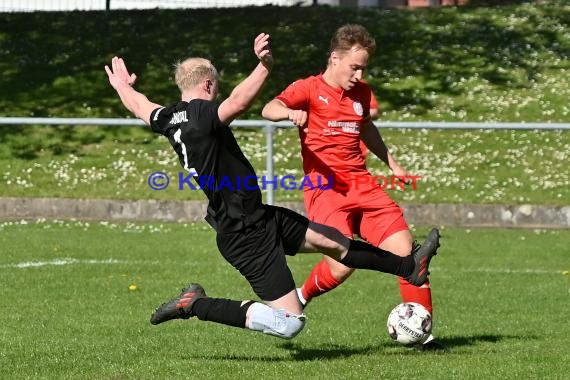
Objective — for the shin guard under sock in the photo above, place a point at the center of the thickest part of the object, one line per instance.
(362, 255)
(220, 310)
(319, 281)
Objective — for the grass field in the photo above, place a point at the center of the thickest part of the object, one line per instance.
(501, 296)
(501, 304)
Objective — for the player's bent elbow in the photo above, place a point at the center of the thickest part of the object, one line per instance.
(271, 111)
(237, 108)
(266, 114)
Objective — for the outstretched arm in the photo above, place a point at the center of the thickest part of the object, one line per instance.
(244, 93)
(133, 100)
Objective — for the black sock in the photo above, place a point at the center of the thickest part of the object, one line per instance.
(220, 310)
(362, 255)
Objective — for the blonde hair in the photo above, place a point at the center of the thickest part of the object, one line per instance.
(192, 71)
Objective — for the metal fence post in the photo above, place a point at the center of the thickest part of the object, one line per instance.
(269, 129)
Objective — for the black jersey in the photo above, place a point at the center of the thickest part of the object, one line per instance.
(208, 148)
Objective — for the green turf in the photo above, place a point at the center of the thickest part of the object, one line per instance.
(500, 297)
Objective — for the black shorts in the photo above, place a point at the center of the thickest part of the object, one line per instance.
(258, 251)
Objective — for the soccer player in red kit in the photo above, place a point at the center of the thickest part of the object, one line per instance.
(332, 111)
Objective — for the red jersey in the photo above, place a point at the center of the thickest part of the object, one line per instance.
(330, 141)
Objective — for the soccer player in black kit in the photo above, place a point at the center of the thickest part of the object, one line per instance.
(253, 237)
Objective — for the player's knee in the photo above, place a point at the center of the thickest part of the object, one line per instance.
(329, 246)
(279, 323)
(399, 243)
(325, 238)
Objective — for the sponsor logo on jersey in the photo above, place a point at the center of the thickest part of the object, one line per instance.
(179, 117)
(324, 100)
(347, 126)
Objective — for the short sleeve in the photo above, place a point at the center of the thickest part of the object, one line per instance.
(160, 120)
(296, 95)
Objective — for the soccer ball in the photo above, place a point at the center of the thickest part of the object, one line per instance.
(409, 323)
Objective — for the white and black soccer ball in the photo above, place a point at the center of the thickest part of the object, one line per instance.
(409, 323)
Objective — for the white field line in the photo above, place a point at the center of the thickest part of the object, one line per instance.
(496, 271)
(65, 261)
(72, 261)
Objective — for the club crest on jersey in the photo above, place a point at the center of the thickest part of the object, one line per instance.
(358, 108)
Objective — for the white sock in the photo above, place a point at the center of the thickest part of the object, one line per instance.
(301, 298)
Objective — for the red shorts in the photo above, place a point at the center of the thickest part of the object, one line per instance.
(367, 212)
